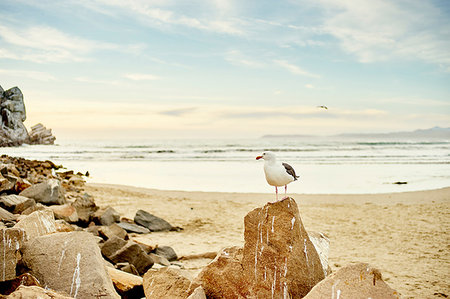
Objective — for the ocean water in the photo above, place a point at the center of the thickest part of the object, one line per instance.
(325, 165)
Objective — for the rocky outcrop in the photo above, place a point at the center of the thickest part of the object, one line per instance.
(12, 115)
(278, 258)
(41, 135)
(354, 281)
(69, 263)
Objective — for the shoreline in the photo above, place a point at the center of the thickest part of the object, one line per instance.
(404, 234)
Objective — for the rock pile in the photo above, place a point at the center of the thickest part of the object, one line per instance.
(57, 243)
(54, 235)
(12, 115)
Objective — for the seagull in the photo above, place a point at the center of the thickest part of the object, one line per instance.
(322, 106)
(277, 174)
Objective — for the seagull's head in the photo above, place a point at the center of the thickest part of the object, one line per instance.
(268, 156)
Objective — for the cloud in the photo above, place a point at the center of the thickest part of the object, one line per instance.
(385, 30)
(178, 112)
(237, 58)
(45, 44)
(206, 17)
(96, 81)
(35, 75)
(141, 77)
(295, 69)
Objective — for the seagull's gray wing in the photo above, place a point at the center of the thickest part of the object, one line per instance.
(290, 171)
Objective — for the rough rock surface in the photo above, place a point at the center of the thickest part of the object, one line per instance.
(152, 222)
(70, 263)
(41, 135)
(15, 203)
(65, 212)
(133, 228)
(6, 215)
(24, 292)
(168, 283)
(37, 224)
(106, 216)
(118, 250)
(11, 241)
(198, 293)
(49, 192)
(278, 258)
(322, 245)
(12, 116)
(167, 252)
(353, 281)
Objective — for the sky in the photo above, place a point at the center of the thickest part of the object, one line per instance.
(227, 69)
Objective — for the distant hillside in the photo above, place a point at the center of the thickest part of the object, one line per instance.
(432, 133)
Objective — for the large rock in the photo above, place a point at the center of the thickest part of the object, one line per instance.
(118, 250)
(65, 212)
(106, 216)
(278, 258)
(353, 281)
(11, 241)
(6, 215)
(152, 222)
(70, 263)
(37, 224)
(41, 135)
(168, 283)
(85, 207)
(12, 116)
(49, 192)
(16, 203)
(23, 292)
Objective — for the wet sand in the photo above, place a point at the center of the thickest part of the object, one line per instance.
(405, 235)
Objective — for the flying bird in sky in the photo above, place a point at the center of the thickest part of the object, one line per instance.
(323, 107)
(278, 174)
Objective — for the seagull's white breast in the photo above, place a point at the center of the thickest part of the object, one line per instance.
(276, 174)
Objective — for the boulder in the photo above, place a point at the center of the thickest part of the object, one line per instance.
(70, 263)
(7, 183)
(37, 224)
(12, 116)
(118, 250)
(37, 292)
(41, 135)
(48, 192)
(10, 243)
(108, 232)
(158, 259)
(153, 223)
(65, 212)
(63, 226)
(16, 203)
(133, 228)
(106, 216)
(85, 207)
(167, 252)
(168, 283)
(128, 285)
(278, 258)
(353, 281)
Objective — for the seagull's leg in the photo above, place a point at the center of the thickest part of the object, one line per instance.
(276, 191)
(285, 191)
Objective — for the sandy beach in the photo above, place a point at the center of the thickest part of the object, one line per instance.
(405, 235)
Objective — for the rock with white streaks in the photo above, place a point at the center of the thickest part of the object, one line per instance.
(69, 263)
(23, 292)
(38, 223)
(11, 240)
(354, 281)
(278, 258)
(322, 245)
(49, 192)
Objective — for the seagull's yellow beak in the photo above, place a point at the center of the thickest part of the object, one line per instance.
(259, 157)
